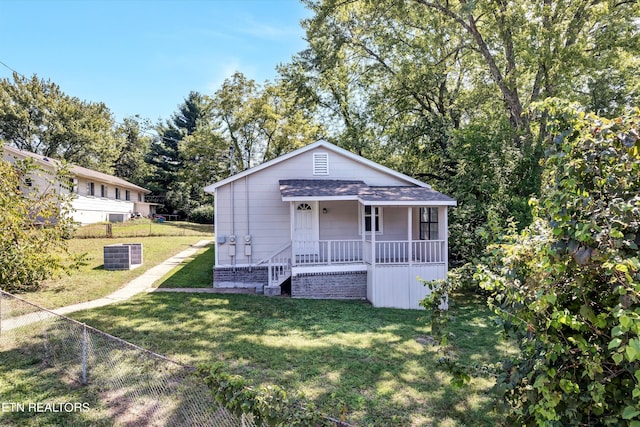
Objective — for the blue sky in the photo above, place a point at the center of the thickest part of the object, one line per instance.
(144, 57)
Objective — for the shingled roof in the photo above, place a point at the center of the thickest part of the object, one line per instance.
(319, 189)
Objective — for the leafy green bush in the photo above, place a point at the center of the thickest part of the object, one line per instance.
(269, 405)
(34, 223)
(567, 288)
(202, 214)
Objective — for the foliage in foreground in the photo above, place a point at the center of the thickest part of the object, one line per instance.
(568, 287)
(33, 226)
(270, 405)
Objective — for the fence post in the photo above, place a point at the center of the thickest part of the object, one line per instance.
(109, 230)
(84, 354)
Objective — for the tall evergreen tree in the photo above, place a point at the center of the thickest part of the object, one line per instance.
(164, 155)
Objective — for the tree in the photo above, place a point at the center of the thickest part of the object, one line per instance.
(567, 288)
(419, 85)
(164, 155)
(134, 146)
(261, 122)
(36, 116)
(33, 226)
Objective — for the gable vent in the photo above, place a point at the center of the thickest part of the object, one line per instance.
(321, 163)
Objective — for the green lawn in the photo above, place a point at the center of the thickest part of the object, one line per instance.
(93, 281)
(197, 272)
(144, 228)
(376, 364)
(373, 362)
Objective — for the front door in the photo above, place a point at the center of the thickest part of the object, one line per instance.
(305, 228)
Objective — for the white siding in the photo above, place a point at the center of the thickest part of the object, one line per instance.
(397, 286)
(340, 222)
(87, 210)
(341, 167)
(262, 214)
(258, 208)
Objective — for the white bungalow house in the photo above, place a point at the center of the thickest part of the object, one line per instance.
(336, 224)
(97, 197)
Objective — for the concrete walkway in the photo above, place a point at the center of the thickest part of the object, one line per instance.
(142, 283)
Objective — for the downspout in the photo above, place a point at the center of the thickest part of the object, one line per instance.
(246, 195)
(233, 224)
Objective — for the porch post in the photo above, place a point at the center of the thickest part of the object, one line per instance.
(410, 234)
(445, 233)
(374, 211)
(292, 212)
(362, 232)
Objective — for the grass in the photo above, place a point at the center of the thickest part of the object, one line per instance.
(26, 379)
(373, 363)
(145, 228)
(197, 272)
(92, 281)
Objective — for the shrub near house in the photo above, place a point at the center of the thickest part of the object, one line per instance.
(32, 228)
(568, 287)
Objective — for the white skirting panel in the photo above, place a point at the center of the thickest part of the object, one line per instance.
(398, 286)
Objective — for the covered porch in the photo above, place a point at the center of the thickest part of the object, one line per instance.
(392, 234)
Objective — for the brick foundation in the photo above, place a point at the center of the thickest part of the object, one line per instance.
(251, 275)
(339, 285)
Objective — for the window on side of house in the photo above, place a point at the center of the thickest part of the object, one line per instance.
(117, 193)
(429, 223)
(73, 185)
(127, 195)
(140, 197)
(91, 189)
(103, 190)
(367, 219)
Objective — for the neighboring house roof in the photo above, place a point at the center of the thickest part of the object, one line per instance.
(326, 145)
(76, 170)
(317, 189)
(99, 176)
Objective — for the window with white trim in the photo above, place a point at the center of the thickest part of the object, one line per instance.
(117, 193)
(103, 190)
(429, 223)
(367, 220)
(321, 163)
(91, 189)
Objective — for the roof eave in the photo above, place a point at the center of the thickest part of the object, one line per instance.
(318, 198)
(408, 202)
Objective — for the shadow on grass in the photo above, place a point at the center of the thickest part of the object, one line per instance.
(342, 355)
(29, 379)
(125, 386)
(196, 272)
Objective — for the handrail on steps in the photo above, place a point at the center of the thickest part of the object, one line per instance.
(279, 265)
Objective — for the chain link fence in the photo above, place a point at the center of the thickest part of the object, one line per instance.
(115, 382)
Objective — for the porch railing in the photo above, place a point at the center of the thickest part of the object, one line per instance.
(405, 252)
(278, 265)
(327, 252)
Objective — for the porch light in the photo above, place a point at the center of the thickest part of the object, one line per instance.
(325, 210)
